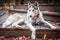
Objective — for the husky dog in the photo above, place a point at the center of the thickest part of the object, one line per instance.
(34, 15)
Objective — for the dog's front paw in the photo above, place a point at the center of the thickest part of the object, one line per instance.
(53, 27)
(14, 24)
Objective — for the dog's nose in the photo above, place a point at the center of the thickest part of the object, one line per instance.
(30, 15)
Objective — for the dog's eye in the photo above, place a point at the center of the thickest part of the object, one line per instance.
(32, 10)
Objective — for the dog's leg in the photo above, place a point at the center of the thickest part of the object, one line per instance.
(16, 23)
(29, 25)
(42, 19)
(53, 27)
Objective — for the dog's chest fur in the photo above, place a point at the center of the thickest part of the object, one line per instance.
(35, 19)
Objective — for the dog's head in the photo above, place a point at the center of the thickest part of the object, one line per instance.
(33, 10)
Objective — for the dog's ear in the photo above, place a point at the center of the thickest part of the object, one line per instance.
(36, 4)
(29, 3)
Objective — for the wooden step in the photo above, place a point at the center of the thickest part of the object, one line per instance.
(51, 33)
